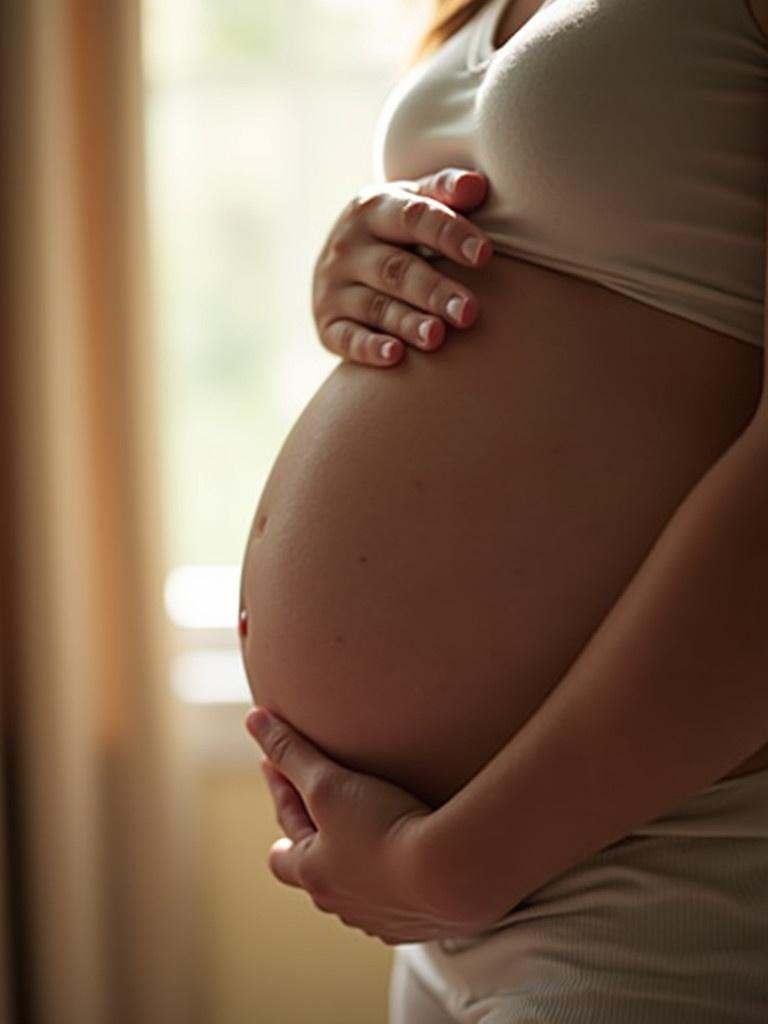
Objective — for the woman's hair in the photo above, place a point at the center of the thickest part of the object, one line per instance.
(448, 16)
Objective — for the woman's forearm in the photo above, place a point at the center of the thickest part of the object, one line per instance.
(670, 694)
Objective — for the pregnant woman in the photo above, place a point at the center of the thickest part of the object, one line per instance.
(508, 601)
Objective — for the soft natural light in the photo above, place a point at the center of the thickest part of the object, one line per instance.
(210, 677)
(260, 121)
(203, 596)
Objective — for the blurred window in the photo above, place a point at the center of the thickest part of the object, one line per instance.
(259, 126)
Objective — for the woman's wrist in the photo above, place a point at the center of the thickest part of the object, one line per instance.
(448, 870)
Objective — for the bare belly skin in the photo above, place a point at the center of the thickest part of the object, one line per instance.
(437, 542)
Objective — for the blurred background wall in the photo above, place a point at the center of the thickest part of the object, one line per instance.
(159, 228)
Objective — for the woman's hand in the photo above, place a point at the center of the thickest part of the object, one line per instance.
(352, 840)
(369, 289)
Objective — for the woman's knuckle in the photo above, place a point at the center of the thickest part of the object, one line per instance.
(345, 335)
(280, 747)
(362, 348)
(356, 351)
(412, 212)
(393, 269)
(435, 294)
(445, 228)
(362, 204)
(338, 248)
(378, 307)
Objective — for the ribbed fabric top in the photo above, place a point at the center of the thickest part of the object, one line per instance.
(625, 142)
(668, 925)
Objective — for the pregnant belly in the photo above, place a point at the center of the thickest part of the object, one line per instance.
(436, 542)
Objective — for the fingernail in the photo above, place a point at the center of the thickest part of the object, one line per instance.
(425, 331)
(470, 248)
(455, 308)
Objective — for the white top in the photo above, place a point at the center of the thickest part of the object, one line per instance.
(625, 142)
